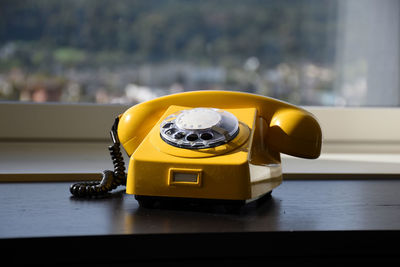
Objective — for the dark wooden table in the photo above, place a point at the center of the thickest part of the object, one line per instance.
(308, 220)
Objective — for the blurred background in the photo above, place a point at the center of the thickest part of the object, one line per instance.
(307, 52)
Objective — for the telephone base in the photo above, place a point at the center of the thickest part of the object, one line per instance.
(199, 204)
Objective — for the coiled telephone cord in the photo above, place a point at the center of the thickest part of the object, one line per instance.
(111, 179)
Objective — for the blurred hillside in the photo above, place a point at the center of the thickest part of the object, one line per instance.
(96, 50)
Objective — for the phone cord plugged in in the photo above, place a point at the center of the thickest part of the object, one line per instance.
(111, 179)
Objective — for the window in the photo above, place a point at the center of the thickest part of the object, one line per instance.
(308, 52)
(328, 54)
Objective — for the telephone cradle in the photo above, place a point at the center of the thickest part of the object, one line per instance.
(210, 146)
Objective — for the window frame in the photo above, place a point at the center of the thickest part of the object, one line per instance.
(91, 122)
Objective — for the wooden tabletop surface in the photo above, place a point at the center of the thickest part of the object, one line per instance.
(32, 211)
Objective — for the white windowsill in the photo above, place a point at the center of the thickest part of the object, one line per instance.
(344, 163)
(54, 138)
(80, 157)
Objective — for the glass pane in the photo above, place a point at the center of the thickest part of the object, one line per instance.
(308, 52)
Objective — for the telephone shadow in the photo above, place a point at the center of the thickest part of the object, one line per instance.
(191, 218)
(203, 205)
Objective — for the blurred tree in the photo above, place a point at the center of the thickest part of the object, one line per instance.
(152, 30)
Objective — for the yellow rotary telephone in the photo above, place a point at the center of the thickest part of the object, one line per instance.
(215, 145)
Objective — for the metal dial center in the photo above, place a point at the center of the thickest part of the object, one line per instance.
(198, 119)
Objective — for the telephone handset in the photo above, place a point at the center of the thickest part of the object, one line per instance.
(206, 145)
